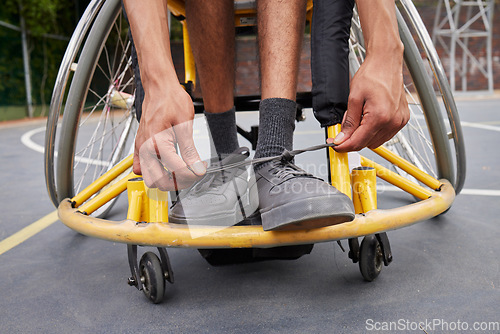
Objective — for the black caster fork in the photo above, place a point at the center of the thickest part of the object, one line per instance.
(150, 274)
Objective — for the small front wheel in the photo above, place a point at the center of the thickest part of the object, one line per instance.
(152, 278)
(371, 258)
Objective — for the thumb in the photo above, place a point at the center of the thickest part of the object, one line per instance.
(351, 121)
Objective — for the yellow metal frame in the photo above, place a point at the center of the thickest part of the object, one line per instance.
(147, 216)
(364, 189)
(168, 235)
(146, 204)
(339, 166)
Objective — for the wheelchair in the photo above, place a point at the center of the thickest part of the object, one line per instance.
(88, 158)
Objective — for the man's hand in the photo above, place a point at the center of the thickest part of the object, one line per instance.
(377, 108)
(167, 111)
(167, 119)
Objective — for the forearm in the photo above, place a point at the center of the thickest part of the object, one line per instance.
(380, 29)
(149, 26)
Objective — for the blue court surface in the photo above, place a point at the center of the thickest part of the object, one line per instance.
(445, 276)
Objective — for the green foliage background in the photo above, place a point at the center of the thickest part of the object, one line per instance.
(55, 17)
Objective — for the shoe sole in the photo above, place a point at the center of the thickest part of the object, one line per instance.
(308, 213)
(226, 220)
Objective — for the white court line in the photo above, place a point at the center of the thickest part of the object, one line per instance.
(473, 192)
(28, 142)
(467, 124)
(481, 126)
(480, 192)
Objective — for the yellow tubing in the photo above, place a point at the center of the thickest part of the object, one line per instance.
(364, 189)
(102, 181)
(177, 7)
(397, 180)
(165, 235)
(339, 165)
(158, 205)
(121, 99)
(407, 167)
(146, 204)
(137, 202)
(106, 195)
(189, 66)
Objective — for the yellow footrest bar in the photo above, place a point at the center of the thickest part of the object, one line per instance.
(168, 235)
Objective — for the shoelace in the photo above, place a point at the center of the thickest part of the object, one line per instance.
(284, 169)
(210, 181)
(284, 157)
(215, 179)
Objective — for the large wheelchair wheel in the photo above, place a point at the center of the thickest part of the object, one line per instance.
(98, 126)
(431, 134)
(59, 94)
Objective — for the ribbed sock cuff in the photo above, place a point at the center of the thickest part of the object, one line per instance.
(276, 126)
(222, 128)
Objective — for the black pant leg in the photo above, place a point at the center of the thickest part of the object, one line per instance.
(331, 24)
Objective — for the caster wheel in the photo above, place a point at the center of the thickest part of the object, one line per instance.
(152, 278)
(370, 258)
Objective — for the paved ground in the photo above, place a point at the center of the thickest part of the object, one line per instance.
(445, 271)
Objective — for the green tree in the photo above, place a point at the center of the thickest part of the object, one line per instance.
(40, 15)
(46, 22)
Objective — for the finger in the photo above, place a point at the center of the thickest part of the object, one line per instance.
(153, 173)
(375, 128)
(388, 131)
(352, 120)
(184, 135)
(386, 136)
(405, 109)
(137, 162)
(393, 125)
(357, 140)
(165, 145)
(379, 139)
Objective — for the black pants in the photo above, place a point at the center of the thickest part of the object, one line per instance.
(331, 24)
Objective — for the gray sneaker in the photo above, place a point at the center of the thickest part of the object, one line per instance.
(220, 198)
(292, 199)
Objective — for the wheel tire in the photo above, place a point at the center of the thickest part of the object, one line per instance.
(59, 92)
(89, 146)
(425, 144)
(152, 278)
(455, 134)
(370, 258)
